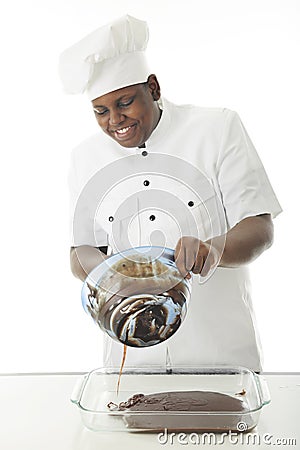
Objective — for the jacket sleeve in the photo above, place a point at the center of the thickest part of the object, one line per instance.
(244, 184)
(84, 229)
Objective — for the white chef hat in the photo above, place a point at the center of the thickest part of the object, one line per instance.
(109, 58)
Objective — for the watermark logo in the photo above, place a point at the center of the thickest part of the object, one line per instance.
(240, 438)
(242, 426)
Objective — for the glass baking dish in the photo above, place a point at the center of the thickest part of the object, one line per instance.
(95, 390)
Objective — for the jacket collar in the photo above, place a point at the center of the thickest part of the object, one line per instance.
(160, 132)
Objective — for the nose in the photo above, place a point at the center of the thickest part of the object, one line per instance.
(116, 117)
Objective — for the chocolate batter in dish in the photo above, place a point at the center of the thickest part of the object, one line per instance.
(182, 411)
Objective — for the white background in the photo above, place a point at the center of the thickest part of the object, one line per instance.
(241, 54)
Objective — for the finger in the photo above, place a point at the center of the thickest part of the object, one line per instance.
(190, 258)
(177, 249)
(208, 265)
(180, 259)
(200, 258)
(199, 263)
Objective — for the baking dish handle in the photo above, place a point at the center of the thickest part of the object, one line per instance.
(263, 389)
(78, 389)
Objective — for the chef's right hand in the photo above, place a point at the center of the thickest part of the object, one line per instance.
(84, 259)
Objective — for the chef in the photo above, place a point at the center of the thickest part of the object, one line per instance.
(184, 177)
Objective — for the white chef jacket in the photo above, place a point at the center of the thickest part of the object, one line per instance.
(112, 196)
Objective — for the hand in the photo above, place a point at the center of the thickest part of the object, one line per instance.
(84, 259)
(194, 255)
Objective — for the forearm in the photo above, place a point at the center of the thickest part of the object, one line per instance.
(247, 240)
(84, 259)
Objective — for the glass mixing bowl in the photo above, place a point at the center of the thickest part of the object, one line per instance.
(137, 296)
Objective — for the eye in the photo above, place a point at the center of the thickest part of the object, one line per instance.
(124, 104)
(100, 112)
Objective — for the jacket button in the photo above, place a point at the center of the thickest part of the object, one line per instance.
(191, 203)
(152, 218)
(146, 183)
(110, 218)
(144, 153)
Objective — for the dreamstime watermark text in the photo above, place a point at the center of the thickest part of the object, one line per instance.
(234, 438)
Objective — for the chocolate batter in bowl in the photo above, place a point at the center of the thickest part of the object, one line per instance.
(138, 296)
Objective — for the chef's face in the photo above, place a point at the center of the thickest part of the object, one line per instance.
(129, 115)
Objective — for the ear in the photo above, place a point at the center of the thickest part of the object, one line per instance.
(154, 87)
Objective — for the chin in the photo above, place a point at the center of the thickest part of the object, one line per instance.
(128, 144)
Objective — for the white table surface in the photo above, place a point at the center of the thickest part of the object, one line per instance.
(36, 414)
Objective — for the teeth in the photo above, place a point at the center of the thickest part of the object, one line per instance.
(123, 130)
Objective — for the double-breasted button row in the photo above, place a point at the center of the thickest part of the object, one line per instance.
(153, 183)
(152, 217)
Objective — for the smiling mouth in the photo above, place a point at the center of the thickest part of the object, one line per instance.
(124, 132)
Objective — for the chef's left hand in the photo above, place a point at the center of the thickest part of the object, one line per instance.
(194, 255)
